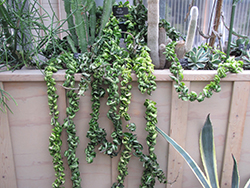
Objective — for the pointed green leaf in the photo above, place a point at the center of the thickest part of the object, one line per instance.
(207, 150)
(235, 176)
(192, 164)
(247, 184)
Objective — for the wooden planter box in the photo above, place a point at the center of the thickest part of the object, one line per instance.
(26, 162)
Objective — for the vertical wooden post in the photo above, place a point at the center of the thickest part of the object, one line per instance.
(178, 126)
(7, 168)
(235, 130)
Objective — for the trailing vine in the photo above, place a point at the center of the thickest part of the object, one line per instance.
(106, 67)
(95, 133)
(230, 65)
(125, 90)
(151, 167)
(55, 141)
(144, 71)
(69, 125)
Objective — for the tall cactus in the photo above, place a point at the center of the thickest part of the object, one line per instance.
(183, 47)
(81, 19)
(153, 31)
(80, 25)
(92, 23)
(107, 8)
(192, 28)
(70, 21)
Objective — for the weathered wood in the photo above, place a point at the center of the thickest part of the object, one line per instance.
(7, 169)
(235, 130)
(30, 129)
(178, 126)
(161, 75)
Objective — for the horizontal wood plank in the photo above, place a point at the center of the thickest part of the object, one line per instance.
(161, 75)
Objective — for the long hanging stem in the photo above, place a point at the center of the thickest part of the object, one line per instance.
(231, 26)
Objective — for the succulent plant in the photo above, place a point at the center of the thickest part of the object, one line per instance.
(197, 58)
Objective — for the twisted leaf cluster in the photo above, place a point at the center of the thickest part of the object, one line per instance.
(125, 90)
(106, 70)
(69, 125)
(144, 71)
(230, 65)
(95, 133)
(151, 166)
(128, 139)
(55, 141)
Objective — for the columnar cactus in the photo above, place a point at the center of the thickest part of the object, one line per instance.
(184, 47)
(191, 28)
(153, 31)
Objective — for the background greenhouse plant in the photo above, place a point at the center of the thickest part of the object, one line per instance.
(208, 156)
(82, 19)
(20, 24)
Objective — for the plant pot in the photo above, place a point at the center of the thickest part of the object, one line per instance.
(26, 161)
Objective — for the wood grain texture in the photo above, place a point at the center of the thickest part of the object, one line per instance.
(7, 168)
(30, 129)
(178, 126)
(235, 129)
(161, 75)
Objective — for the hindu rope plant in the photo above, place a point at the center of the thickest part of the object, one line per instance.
(55, 141)
(103, 68)
(228, 65)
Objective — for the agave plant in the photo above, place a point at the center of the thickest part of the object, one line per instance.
(215, 58)
(197, 58)
(208, 156)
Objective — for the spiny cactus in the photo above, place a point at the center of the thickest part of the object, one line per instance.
(191, 28)
(181, 47)
(81, 19)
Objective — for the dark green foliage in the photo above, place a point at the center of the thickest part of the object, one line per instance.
(20, 27)
(171, 32)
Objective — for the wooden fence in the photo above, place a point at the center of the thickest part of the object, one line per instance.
(26, 162)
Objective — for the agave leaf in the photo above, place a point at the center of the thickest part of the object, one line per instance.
(200, 65)
(208, 155)
(200, 52)
(192, 164)
(235, 176)
(247, 184)
(203, 59)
